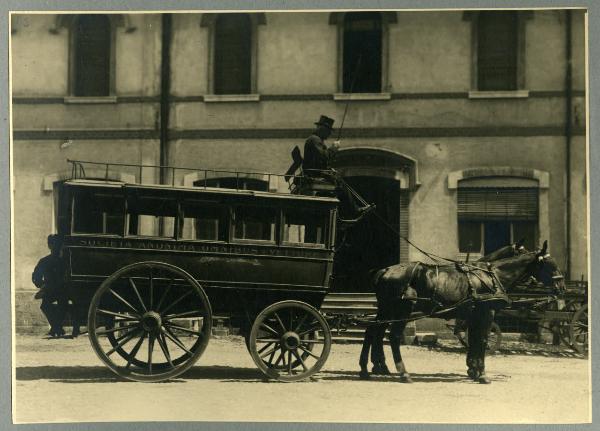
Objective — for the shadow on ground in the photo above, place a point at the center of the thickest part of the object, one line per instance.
(99, 374)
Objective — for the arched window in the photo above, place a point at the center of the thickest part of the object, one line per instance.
(91, 65)
(362, 52)
(233, 54)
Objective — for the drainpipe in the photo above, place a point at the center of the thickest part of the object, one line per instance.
(165, 90)
(568, 133)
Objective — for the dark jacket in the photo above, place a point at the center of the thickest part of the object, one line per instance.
(316, 155)
(48, 273)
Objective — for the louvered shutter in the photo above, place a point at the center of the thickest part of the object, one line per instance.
(498, 204)
(404, 225)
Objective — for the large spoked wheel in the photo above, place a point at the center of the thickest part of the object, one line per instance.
(579, 330)
(149, 321)
(290, 341)
(494, 342)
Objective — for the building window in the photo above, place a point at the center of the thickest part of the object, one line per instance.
(91, 62)
(492, 217)
(362, 53)
(233, 35)
(363, 50)
(497, 51)
(233, 45)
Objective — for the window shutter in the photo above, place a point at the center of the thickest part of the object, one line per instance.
(497, 204)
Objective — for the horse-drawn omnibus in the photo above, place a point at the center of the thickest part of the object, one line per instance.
(152, 264)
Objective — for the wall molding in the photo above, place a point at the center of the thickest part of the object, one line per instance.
(42, 100)
(542, 177)
(288, 133)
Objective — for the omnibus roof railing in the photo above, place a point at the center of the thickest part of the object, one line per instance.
(78, 172)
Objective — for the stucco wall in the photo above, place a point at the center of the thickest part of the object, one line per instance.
(429, 54)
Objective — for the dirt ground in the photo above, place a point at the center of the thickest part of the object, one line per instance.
(63, 381)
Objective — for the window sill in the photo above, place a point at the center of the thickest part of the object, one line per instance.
(84, 100)
(516, 94)
(210, 98)
(362, 96)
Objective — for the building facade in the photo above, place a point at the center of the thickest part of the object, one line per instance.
(467, 129)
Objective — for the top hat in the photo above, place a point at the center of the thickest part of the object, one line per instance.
(325, 121)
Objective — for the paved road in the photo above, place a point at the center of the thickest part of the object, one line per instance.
(62, 380)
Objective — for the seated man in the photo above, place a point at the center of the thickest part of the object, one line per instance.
(317, 165)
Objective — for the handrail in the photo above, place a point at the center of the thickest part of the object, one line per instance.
(78, 171)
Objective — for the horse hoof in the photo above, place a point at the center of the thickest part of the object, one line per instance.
(364, 375)
(405, 378)
(381, 370)
(484, 380)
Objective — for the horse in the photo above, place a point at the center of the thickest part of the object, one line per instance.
(377, 354)
(468, 291)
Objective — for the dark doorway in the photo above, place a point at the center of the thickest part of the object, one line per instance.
(496, 235)
(369, 244)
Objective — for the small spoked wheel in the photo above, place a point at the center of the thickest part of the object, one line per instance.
(149, 321)
(579, 330)
(290, 341)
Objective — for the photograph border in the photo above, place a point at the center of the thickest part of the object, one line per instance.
(6, 216)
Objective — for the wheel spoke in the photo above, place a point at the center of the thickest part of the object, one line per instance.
(316, 341)
(267, 340)
(270, 360)
(122, 316)
(193, 313)
(115, 329)
(167, 332)
(137, 293)
(120, 298)
(151, 290)
(124, 340)
(269, 329)
(311, 330)
(150, 351)
(135, 350)
(182, 297)
(164, 295)
(299, 357)
(305, 350)
(281, 355)
(265, 347)
(299, 325)
(279, 321)
(290, 359)
(272, 351)
(165, 349)
(182, 329)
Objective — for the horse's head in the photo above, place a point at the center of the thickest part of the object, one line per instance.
(547, 271)
(537, 266)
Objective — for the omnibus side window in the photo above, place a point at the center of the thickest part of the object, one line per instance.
(98, 211)
(151, 216)
(255, 223)
(305, 226)
(203, 221)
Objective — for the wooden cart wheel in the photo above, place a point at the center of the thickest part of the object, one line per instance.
(154, 316)
(461, 332)
(564, 327)
(290, 341)
(579, 330)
